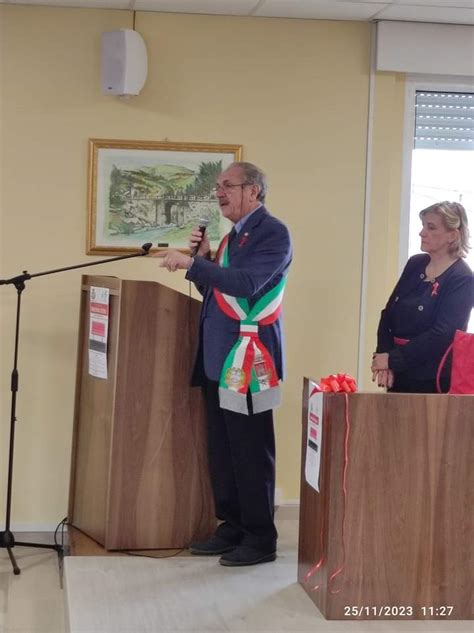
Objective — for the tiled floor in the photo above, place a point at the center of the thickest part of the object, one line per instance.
(123, 594)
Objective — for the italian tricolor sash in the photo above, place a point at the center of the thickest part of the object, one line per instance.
(249, 364)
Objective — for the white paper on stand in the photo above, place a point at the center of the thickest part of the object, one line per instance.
(98, 331)
(314, 435)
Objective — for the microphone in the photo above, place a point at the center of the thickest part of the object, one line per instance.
(202, 225)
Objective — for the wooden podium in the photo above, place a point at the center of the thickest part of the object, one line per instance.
(139, 477)
(401, 535)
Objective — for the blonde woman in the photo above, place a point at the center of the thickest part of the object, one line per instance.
(432, 299)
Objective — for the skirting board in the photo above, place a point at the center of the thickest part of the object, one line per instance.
(31, 527)
(287, 510)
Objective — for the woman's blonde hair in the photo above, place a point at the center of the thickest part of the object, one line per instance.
(454, 217)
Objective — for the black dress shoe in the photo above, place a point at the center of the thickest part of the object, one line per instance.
(212, 547)
(244, 555)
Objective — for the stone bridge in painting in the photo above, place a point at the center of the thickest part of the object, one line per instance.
(168, 210)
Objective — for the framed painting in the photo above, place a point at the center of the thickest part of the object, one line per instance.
(156, 192)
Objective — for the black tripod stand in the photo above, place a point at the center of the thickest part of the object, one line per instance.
(7, 540)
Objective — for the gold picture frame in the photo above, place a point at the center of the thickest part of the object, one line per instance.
(151, 191)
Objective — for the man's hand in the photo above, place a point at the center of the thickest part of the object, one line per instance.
(174, 260)
(197, 239)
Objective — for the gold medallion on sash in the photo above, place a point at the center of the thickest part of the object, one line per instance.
(235, 378)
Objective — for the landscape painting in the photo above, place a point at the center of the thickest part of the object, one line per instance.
(154, 192)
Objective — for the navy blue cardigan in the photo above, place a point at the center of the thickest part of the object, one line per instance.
(426, 314)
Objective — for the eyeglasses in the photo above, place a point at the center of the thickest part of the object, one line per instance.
(227, 187)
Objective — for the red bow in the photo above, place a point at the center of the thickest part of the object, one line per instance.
(434, 290)
(336, 383)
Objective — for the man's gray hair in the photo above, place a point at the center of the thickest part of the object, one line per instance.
(253, 175)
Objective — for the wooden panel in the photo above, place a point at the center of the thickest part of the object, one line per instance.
(314, 509)
(93, 421)
(139, 475)
(408, 511)
(160, 494)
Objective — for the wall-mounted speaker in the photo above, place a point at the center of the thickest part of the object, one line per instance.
(124, 62)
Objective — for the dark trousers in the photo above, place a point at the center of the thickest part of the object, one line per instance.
(242, 469)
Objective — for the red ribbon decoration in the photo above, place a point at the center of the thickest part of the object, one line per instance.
(434, 290)
(336, 383)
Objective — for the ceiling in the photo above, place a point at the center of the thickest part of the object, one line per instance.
(448, 11)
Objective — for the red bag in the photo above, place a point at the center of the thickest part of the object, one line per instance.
(462, 370)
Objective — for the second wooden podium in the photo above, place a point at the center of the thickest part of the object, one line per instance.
(389, 533)
(139, 477)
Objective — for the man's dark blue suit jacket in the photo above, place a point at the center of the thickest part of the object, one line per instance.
(259, 256)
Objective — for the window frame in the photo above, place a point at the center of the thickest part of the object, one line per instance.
(415, 83)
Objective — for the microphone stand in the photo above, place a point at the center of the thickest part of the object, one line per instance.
(7, 540)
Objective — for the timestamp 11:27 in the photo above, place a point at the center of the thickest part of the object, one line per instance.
(443, 611)
(408, 611)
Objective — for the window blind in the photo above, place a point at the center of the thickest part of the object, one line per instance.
(444, 120)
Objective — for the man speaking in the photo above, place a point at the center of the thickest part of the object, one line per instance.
(240, 362)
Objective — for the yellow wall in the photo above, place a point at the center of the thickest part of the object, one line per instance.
(294, 93)
(383, 208)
